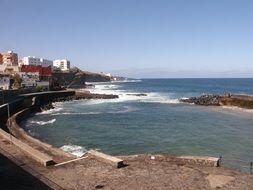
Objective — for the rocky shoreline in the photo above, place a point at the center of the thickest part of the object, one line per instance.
(78, 96)
(204, 100)
(241, 101)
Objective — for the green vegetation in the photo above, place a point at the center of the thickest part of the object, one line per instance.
(16, 81)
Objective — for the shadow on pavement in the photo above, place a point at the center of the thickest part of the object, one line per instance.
(14, 177)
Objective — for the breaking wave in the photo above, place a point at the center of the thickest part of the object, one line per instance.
(74, 113)
(160, 98)
(127, 95)
(43, 122)
(74, 149)
(128, 80)
(49, 111)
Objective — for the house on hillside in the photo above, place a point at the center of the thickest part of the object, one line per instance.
(35, 75)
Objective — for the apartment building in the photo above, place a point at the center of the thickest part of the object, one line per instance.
(9, 58)
(62, 64)
(31, 60)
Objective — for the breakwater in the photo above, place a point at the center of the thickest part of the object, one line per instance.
(242, 101)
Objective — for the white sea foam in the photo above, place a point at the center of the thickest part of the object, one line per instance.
(128, 80)
(43, 122)
(105, 89)
(160, 98)
(57, 108)
(124, 95)
(77, 113)
(74, 149)
(125, 109)
(49, 111)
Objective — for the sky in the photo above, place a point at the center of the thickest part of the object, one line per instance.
(135, 38)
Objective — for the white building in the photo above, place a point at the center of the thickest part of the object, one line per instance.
(4, 82)
(32, 79)
(62, 64)
(29, 79)
(46, 62)
(37, 61)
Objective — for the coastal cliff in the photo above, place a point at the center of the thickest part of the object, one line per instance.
(242, 101)
(76, 78)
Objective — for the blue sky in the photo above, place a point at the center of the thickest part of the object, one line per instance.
(135, 38)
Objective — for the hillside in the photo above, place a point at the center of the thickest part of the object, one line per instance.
(76, 78)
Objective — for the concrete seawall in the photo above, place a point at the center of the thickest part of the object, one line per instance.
(26, 101)
(40, 157)
(19, 110)
(57, 154)
(12, 107)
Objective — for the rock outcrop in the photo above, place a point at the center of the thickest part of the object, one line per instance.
(205, 100)
(76, 78)
(242, 101)
(140, 94)
(77, 96)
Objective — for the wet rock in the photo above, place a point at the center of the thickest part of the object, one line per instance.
(205, 100)
(140, 94)
(47, 106)
(86, 96)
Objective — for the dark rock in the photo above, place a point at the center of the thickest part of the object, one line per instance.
(47, 106)
(86, 96)
(140, 94)
(205, 100)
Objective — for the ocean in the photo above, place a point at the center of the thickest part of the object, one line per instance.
(156, 123)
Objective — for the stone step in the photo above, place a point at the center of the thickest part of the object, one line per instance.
(35, 154)
(107, 158)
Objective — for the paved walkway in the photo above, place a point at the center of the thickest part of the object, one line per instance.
(144, 172)
(14, 177)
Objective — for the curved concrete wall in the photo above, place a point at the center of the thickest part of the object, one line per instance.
(37, 149)
(25, 101)
(14, 107)
(19, 133)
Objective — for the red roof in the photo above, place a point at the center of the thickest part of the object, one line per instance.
(43, 71)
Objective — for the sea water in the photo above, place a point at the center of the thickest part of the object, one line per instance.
(156, 123)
